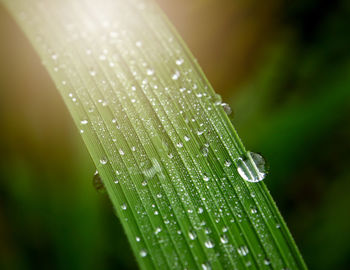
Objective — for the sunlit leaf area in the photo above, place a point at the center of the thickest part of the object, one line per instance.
(169, 134)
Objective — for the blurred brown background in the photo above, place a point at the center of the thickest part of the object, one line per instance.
(283, 66)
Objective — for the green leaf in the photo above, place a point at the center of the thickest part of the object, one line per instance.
(159, 136)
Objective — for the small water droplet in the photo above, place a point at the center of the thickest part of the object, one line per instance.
(150, 72)
(253, 210)
(138, 239)
(143, 253)
(157, 230)
(179, 145)
(267, 262)
(103, 161)
(206, 266)
(54, 56)
(206, 178)
(200, 210)
(92, 72)
(186, 138)
(217, 99)
(204, 150)
(97, 183)
(84, 122)
(209, 244)
(227, 163)
(224, 239)
(176, 75)
(226, 108)
(252, 168)
(179, 61)
(243, 250)
(138, 44)
(121, 152)
(192, 235)
(124, 206)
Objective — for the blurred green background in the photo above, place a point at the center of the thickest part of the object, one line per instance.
(283, 66)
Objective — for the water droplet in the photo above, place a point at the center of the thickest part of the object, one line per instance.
(204, 150)
(54, 56)
(200, 210)
(186, 138)
(227, 163)
(267, 262)
(209, 244)
(124, 206)
(252, 168)
(253, 210)
(243, 250)
(206, 178)
(150, 72)
(138, 239)
(206, 266)
(179, 61)
(224, 239)
(217, 99)
(157, 230)
(84, 122)
(97, 183)
(138, 44)
(92, 72)
(121, 152)
(176, 75)
(103, 161)
(192, 235)
(180, 145)
(226, 108)
(143, 253)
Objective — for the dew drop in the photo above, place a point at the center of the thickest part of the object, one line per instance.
(84, 122)
(204, 150)
(192, 235)
(186, 138)
(253, 210)
(179, 61)
(206, 178)
(97, 183)
(124, 206)
(252, 168)
(150, 72)
(267, 262)
(209, 244)
(179, 145)
(121, 152)
(227, 163)
(226, 108)
(224, 239)
(176, 75)
(138, 239)
(138, 44)
(243, 250)
(143, 253)
(206, 266)
(157, 230)
(103, 161)
(92, 72)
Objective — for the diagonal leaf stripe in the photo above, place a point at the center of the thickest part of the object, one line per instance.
(159, 135)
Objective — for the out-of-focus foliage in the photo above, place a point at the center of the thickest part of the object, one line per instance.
(284, 68)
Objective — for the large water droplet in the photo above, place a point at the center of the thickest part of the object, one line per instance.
(252, 168)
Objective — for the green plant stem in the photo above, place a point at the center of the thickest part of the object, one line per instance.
(159, 136)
